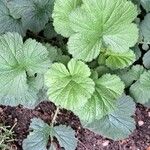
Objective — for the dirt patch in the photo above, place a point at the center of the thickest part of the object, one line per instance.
(139, 140)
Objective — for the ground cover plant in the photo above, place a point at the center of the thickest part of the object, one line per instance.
(91, 57)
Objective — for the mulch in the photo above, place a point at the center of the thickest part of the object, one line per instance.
(139, 140)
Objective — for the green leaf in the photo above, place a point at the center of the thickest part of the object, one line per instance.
(66, 137)
(140, 89)
(119, 60)
(128, 76)
(8, 23)
(137, 52)
(146, 4)
(102, 24)
(29, 99)
(108, 89)
(38, 138)
(69, 87)
(35, 13)
(35, 57)
(53, 52)
(18, 61)
(49, 31)
(61, 12)
(101, 70)
(146, 60)
(118, 124)
(145, 28)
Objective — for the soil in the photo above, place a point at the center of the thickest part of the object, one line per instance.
(139, 140)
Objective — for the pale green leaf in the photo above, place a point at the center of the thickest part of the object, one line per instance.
(17, 62)
(38, 138)
(146, 4)
(140, 90)
(145, 28)
(119, 60)
(36, 57)
(146, 60)
(108, 89)
(62, 9)
(69, 87)
(29, 99)
(102, 24)
(53, 52)
(34, 13)
(8, 23)
(118, 124)
(90, 46)
(128, 76)
(66, 137)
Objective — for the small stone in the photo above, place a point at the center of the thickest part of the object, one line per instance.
(105, 143)
(1, 110)
(140, 123)
(148, 148)
(149, 114)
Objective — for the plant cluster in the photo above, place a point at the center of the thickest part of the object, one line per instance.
(6, 137)
(99, 66)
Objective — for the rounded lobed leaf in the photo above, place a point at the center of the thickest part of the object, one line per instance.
(145, 28)
(62, 9)
(140, 90)
(120, 60)
(18, 61)
(102, 23)
(8, 23)
(103, 101)
(69, 87)
(118, 124)
(146, 60)
(34, 13)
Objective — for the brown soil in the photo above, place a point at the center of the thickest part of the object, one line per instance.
(139, 140)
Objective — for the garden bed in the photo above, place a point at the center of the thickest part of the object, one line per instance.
(139, 140)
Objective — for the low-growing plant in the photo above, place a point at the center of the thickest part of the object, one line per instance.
(93, 58)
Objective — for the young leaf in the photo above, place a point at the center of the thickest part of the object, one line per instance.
(17, 62)
(128, 76)
(8, 23)
(118, 124)
(66, 137)
(69, 87)
(146, 60)
(140, 90)
(102, 23)
(35, 13)
(62, 9)
(108, 89)
(119, 60)
(38, 138)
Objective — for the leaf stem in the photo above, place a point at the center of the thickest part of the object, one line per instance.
(55, 116)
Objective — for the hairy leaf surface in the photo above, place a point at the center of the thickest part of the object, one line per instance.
(118, 124)
(102, 23)
(34, 13)
(17, 62)
(62, 9)
(103, 101)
